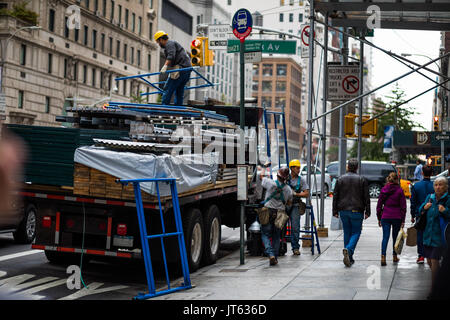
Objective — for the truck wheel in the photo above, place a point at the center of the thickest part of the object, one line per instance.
(27, 228)
(212, 223)
(193, 237)
(65, 258)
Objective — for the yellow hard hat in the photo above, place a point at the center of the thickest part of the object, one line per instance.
(159, 34)
(294, 163)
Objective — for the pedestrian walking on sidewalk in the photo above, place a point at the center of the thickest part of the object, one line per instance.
(391, 213)
(418, 171)
(351, 202)
(419, 192)
(300, 189)
(278, 196)
(436, 206)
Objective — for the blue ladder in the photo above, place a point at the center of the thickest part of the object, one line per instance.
(145, 237)
(313, 232)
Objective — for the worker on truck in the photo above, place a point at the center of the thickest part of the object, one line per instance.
(176, 58)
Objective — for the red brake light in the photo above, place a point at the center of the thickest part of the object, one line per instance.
(46, 222)
(122, 229)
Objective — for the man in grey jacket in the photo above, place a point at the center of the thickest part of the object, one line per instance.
(351, 202)
(176, 57)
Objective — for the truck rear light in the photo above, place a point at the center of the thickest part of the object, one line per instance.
(70, 223)
(122, 229)
(46, 222)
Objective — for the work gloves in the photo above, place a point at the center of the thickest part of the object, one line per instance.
(163, 69)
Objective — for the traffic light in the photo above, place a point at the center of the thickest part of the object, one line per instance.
(197, 52)
(370, 128)
(436, 123)
(349, 125)
(209, 55)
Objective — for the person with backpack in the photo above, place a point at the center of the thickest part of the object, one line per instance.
(351, 202)
(278, 196)
(391, 213)
(300, 189)
(419, 192)
(436, 210)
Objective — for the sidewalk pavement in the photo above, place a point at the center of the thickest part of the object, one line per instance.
(315, 277)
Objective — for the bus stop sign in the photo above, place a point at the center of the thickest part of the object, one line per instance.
(242, 24)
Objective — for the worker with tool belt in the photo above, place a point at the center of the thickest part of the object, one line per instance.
(278, 196)
(300, 189)
(176, 58)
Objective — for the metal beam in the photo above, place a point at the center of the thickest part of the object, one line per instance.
(384, 6)
(390, 24)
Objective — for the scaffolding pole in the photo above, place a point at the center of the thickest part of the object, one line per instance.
(360, 107)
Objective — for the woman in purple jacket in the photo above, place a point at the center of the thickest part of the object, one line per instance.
(391, 211)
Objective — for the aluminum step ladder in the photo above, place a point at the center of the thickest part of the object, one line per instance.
(145, 237)
(313, 232)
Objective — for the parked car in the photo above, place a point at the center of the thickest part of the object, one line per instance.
(442, 174)
(21, 222)
(374, 171)
(315, 189)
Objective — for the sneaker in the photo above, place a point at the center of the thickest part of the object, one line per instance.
(273, 261)
(420, 260)
(296, 252)
(346, 258)
(395, 258)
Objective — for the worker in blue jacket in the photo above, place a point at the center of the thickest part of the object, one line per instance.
(437, 209)
(419, 192)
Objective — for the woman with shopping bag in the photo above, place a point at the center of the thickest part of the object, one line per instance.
(391, 213)
(436, 208)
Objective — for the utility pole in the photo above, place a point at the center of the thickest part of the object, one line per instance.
(360, 106)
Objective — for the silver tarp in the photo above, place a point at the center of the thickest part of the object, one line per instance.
(189, 170)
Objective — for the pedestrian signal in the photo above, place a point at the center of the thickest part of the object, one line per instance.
(370, 128)
(436, 123)
(349, 125)
(197, 52)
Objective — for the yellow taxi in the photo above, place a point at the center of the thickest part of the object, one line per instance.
(405, 184)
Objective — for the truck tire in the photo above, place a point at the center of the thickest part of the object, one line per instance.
(65, 258)
(193, 237)
(26, 231)
(212, 227)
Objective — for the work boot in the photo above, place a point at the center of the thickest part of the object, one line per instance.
(395, 258)
(346, 258)
(296, 252)
(273, 261)
(383, 260)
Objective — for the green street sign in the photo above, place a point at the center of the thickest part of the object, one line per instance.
(266, 46)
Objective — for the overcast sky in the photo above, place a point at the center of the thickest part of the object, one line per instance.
(386, 68)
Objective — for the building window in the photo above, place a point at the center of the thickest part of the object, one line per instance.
(93, 77)
(280, 102)
(103, 42)
(104, 8)
(120, 14)
(150, 30)
(86, 30)
(124, 88)
(110, 46)
(112, 10)
(95, 5)
(281, 17)
(281, 70)
(291, 17)
(125, 48)
(266, 86)
(87, 4)
(65, 68)
(256, 70)
(267, 70)
(23, 54)
(94, 39)
(47, 104)
(267, 103)
(84, 74)
(149, 62)
(51, 20)
(77, 34)
(50, 63)
(133, 22)
(150, 4)
(132, 55)
(140, 25)
(66, 28)
(20, 99)
(139, 58)
(75, 71)
(177, 16)
(255, 86)
(126, 18)
(101, 79)
(300, 17)
(118, 49)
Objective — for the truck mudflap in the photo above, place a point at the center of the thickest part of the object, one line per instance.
(118, 254)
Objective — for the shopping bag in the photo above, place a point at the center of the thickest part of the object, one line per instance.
(411, 237)
(336, 223)
(400, 241)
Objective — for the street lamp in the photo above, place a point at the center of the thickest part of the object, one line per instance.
(420, 55)
(2, 61)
